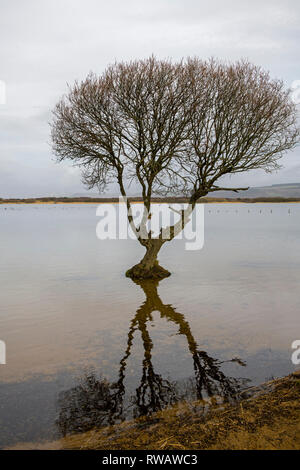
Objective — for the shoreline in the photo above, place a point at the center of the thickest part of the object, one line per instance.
(54, 201)
(264, 418)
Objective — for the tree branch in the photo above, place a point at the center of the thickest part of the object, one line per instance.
(218, 188)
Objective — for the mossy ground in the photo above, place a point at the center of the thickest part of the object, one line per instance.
(138, 273)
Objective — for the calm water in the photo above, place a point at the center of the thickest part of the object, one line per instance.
(87, 346)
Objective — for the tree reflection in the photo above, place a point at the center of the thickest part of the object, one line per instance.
(94, 402)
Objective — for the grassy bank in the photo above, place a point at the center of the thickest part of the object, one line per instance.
(269, 419)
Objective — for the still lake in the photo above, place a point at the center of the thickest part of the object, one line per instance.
(85, 344)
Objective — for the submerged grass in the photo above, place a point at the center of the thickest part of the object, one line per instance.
(268, 419)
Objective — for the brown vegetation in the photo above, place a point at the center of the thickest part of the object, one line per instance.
(269, 419)
(161, 200)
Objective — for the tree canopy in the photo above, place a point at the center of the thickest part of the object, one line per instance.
(174, 128)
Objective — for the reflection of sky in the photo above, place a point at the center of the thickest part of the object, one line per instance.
(46, 46)
(66, 303)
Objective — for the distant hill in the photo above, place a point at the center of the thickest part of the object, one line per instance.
(289, 190)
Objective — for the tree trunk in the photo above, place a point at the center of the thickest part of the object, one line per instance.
(148, 267)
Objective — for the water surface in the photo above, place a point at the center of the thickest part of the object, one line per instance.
(87, 345)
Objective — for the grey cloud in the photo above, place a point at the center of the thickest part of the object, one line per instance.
(45, 44)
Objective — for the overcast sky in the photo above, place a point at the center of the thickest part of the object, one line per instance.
(45, 44)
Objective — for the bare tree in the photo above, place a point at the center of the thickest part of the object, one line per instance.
(174, 128)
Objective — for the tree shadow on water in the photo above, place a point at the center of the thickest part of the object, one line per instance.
(95, 402)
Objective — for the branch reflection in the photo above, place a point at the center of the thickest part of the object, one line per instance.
(95, 402)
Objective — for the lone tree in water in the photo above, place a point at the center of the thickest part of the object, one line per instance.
(175, 129)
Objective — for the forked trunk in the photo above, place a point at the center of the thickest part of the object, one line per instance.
(148, 267)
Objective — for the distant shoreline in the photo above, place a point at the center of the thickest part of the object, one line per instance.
(157, 200)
